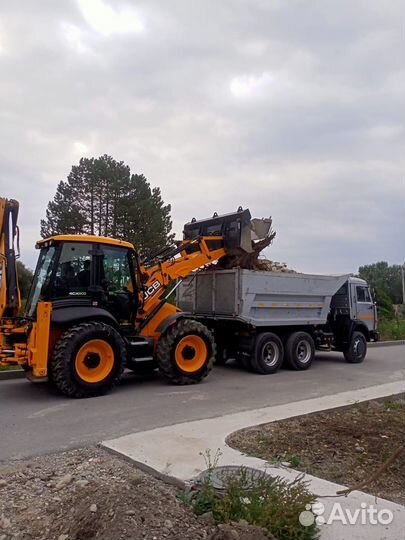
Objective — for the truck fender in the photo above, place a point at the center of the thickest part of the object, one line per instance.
(359, 326)
(350, 326)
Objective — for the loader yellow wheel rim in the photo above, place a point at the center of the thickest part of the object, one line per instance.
(94, 361)
(191, 354)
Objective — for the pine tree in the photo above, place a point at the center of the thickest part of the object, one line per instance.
(101, 197)
(25, 276)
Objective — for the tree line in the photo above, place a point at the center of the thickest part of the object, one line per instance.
(386, 281)
(101, 197)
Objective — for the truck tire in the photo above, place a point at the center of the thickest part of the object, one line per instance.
(88, 360)
(299, 351)
(357, 350)
(186, 352)
(268, 354)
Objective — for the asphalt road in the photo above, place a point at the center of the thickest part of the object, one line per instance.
(35, 420)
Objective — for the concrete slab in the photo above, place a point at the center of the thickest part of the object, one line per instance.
(177, 451)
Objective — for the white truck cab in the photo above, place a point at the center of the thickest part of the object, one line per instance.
(363, 307)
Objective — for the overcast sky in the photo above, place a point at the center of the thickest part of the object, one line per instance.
(293, 108)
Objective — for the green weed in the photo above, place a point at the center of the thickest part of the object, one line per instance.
(261, 500)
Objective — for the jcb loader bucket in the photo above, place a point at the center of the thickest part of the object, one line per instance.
(237, 229)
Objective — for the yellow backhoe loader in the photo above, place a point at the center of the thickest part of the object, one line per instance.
(94, 308)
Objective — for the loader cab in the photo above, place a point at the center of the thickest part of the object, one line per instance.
(83, 272)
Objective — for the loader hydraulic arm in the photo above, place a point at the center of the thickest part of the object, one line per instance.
(10, 300)
(181, 262)
(205, 242)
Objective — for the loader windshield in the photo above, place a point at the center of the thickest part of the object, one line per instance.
(41, 278)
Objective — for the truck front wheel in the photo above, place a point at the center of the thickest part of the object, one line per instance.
(268, 354)
(299, 350)
(186, 352)
(357, 350)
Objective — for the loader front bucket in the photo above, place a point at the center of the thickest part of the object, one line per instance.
(235, 228)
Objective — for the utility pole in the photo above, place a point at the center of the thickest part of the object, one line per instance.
(403, 282)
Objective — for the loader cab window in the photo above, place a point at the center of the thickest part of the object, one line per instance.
(42, 277)
(72, 277)
(117, 280)
(116, 269)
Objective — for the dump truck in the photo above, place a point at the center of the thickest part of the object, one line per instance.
(95, 308)
(265, 319)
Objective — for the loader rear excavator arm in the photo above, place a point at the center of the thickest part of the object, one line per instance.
(10, 300)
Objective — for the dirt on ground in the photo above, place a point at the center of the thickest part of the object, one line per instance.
(91, 494)
(345, 445)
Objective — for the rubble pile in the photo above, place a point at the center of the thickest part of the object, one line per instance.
(262, 237)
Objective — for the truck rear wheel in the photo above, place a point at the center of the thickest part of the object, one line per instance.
(357, 350)
(186, 352)
(88, 360)
(299, 350)
(268, 354)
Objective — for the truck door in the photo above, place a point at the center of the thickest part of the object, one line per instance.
(365, 309)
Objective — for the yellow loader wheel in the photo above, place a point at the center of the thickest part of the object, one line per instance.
(88, 360)
(186, 352)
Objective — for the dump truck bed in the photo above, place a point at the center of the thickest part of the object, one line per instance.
(260, 298)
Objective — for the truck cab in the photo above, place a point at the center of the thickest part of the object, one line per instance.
(363, 307)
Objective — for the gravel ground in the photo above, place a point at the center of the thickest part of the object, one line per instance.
(90, 494)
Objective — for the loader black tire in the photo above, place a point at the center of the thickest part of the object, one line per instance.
(357, 350)
(299, 351)
(186, 352)
(268, 354)
(88, 360)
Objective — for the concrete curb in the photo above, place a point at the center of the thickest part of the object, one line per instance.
(386, 343)
(12, 374)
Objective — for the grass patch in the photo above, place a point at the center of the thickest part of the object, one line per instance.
(272, 503)
(392, 329)
(391, 404)
(10, 368)
(345, 445)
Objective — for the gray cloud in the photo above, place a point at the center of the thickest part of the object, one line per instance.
(294, 109)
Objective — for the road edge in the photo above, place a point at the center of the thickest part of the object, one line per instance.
(12, 374)
(386, 343)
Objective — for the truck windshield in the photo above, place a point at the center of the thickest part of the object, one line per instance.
(41, 278)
